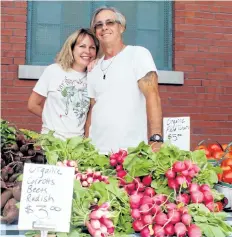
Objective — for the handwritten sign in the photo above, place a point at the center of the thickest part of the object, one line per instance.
(46, 198)
(177, 131)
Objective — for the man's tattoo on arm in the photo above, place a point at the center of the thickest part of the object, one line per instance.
(149, 79)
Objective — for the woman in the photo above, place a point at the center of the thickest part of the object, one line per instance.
(60, 95)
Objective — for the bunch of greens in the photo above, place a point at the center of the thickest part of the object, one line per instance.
(212, 224)
(8, 134)
(76, 148)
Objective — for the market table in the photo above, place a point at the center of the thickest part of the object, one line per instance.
(12, 230)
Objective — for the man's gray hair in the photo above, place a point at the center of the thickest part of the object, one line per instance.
(119, 16)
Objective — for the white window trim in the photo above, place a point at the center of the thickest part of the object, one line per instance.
(32, 72)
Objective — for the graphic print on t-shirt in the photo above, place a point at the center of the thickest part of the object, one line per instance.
(74, 96)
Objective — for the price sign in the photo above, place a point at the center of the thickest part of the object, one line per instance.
(46, 197)
(177, 131)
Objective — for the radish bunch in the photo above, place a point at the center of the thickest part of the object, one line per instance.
(90, 177)
(99, 224)
(68, 163)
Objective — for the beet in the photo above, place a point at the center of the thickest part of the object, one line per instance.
(5, 196)
(10, 211)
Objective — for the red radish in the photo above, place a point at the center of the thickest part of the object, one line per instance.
(59, 163)
(170, 174)
(121, 174)
(96, 214)
(181, 180)
(146, 200)
(90, 228)
(188, 164)
(191, 173)
(135, 213)
(183, 210)
(137, 225)
(83, 177)
(186, 219)
(107, 222)
(97, 174)
(196, 168)
(180, 229)
(105, 206)
(103, 229)
(65, 162)
(174, 216)
(120, 160)
(159, 199)
(170, 206)
(89, 180)
(158, 231)
(95, 224)
(193, 187)
(149, 192)
(137, 180)
(208, 197)
(97, 233)
(89, 171)
(194, 231)
(183, 198)
(71, 163)
(131, 186)
(145, 232)
(147, 180)
(205, 187)
(119, 167)
(169, 229)
(184, 172)
(178, 166)
(161, 219)
(85, 184)
(210, 206)
(140, 187)
(197, 197)
(144, 209)
(155, 209)
(135, 199)
(172, 184)
(113, 162)
(95, 180)
(110, 230)
(147, 219)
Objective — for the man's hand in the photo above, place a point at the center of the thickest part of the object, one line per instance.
(155, 146)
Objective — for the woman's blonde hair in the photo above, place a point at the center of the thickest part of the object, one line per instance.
(65, 57)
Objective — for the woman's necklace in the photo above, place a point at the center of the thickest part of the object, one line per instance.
(104, 71)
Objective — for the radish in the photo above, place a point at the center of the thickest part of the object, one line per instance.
(145, 232)
(196, 168)
(135, 199)
(174, 216)
(147, 219)
(193, 187)
(89, 171)
(71, 163)
(158, 231)
(183, 198)
(146, 200)
(183, 210)
(159, 199)
(173, 184)
(137, 225)
(83, 177)
(107, 222)
(90, 180)
(119, 167)
(90, 228)
(135, 213)
(180, 180)
(144, 209)
(178, 166)
(140, 186)
(110, 230)
(97, 214)
(180, 229)
(95, 224)
(105, 206)
(170, 206)
(97, 174)
(188, 164)
(184, 173)
(197, 197)
(121, 173)
(103, 229)
(113, 162)
(208, 197)
(161, 219)
(210, 206)
(170, 174)
(97, 233)
(169, 229)
(149, 192)
(186, 219)
(59, 163)
(194, 231)
(191, 173)
(205, 187)
(155, 209)
(147, 180)
(84, 184)
(131, 186)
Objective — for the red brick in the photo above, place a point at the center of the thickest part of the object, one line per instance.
(6, 82)
(14, 11)
(6, 46)
(19, 61)
(19, 32)
(178, 5)
(20, 4)
(205, 69)
(15, 97)
(15, 25)
(184, 14)
(216, 63)
(7, 18)
(200, 90)
(7, 3)
(19, 46)
(6, 61)
(12, 54)
(24, 83)
(185, 68)
(5, 39)
(195, 75)
(19, 90)
(9, 75)
(20, 18)
(193, 82)
(226, 9)
(18, 40)
(224, 16)
(6, 32)
(205, 15)
(192, 7)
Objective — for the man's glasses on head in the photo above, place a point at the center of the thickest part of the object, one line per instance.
(109, 23)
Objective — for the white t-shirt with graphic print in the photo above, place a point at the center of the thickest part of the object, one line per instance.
(66, 106)
(119, 118)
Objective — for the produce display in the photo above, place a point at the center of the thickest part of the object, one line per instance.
(165, 193)
(16, 149)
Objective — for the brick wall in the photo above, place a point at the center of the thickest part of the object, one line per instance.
(202, 49)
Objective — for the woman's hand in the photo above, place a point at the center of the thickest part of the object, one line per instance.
(92, 65)
(35, 103)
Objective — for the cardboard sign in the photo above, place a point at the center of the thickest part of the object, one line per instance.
(46, 198)
(177, 131)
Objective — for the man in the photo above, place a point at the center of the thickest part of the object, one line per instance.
(125, 106)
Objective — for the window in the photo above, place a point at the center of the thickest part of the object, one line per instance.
(149, 24)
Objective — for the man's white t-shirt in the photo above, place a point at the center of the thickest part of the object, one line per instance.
(119, 118)
(67, 103)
